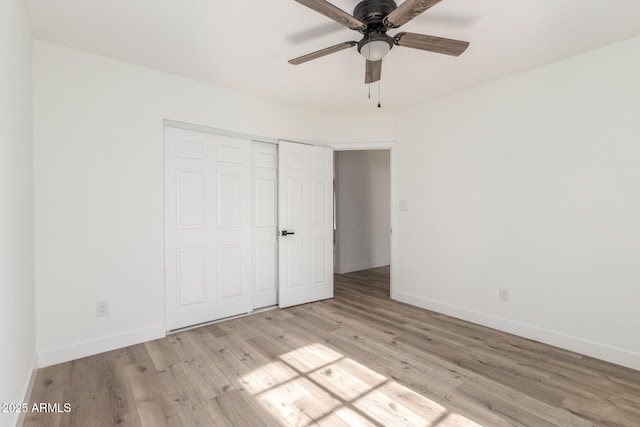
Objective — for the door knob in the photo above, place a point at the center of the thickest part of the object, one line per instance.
(286, 232)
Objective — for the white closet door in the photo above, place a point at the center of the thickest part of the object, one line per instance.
(265, 224)
(208, 227)
(305, 220)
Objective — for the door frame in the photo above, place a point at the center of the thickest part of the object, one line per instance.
(385, 145)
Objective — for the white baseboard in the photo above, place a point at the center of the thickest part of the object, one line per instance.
(342, 269)
(100, 345)
(600, 351)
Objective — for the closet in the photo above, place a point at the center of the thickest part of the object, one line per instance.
(248, 225)
(220, 226)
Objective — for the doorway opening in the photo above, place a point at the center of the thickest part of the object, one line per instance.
(363, 214)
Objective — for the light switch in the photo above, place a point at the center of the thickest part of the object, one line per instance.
(404, 206)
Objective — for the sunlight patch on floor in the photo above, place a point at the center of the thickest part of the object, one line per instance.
(298, 400)
(345, 416)
(347, 379)
(268, 376)
(394, 404)
(310, 357)
(317, 384)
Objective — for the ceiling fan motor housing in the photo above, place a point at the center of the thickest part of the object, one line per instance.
(372, 12)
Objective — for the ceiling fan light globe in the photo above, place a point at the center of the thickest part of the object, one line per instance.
(375, 50)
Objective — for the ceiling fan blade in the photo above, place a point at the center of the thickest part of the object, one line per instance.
(407, 11)
(373, 71)
(322, 52)
(431, 43)
(335, 13)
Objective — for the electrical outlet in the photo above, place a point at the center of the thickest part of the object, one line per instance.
(102, 308)
(504, 294)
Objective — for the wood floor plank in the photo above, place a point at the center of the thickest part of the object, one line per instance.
(95, 401)
(241, 410)
(163, 352)
(122, 408)
(51, 385)
(357, 359)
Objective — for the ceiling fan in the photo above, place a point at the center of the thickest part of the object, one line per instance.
(373, 18)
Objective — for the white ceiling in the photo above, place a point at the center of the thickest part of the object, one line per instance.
(245, 45)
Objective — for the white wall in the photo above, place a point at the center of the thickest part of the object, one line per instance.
(378, 126)
(362, 209)
(99, 190)
(17, 346)
(530, 183)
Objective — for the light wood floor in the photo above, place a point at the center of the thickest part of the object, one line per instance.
(358, 359)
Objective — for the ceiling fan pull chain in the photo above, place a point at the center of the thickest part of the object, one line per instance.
(379, 94)
(369, 85)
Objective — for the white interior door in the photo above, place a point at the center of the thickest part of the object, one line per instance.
(208, 227)
(305, 222)
(265, 224)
